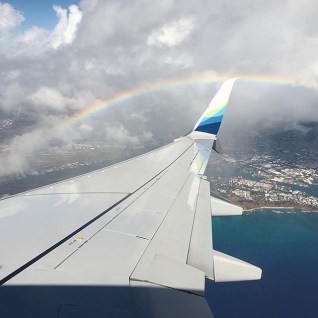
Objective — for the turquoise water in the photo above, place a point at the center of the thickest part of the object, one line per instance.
(285, 245)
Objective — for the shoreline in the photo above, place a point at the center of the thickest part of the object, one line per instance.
(278, 208)
(270, 207)
(265, 207)
(246, 209)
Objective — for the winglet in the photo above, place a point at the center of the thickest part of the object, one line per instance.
(211, 119)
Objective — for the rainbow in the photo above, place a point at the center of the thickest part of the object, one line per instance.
(145, 88)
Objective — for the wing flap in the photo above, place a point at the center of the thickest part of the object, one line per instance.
(170, 273)
(173, 236)
(199, 255)
(231, 269)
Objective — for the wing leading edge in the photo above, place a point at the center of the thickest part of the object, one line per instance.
(130, 240)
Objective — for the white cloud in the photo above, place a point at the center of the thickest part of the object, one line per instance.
(88, 5)
(36, 40)
(180, 60)
(172, 34)
(86, 127)
(12, 95)
(9, 17)
(20, 148)
(53, 98)
(31, 42)
(65, 30)
(32, 34)
(120, 135)
(48, 97)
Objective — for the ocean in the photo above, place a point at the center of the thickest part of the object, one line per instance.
(284, 243)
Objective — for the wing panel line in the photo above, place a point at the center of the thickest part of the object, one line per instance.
(105, 225)
(159, 226)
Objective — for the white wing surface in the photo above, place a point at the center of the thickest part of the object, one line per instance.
(130, 240)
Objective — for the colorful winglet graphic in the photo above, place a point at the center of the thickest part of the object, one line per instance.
(211, 119)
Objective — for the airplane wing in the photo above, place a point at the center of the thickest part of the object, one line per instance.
(130, 240)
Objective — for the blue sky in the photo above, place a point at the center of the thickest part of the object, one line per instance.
(39, 12)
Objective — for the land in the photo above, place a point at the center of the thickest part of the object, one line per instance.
(264, 182)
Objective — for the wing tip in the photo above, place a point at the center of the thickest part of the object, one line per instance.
(211, 119)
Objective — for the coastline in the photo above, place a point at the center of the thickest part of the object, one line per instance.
(271, 208)
(300, 209)
(248, 206)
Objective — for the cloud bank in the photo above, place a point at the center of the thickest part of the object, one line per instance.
(9, 17)
(101, 48)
